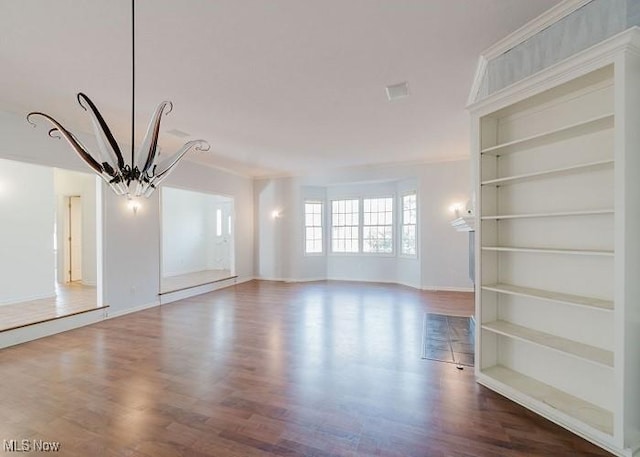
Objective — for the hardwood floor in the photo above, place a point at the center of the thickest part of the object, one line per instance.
(265, 369)
(69, 299)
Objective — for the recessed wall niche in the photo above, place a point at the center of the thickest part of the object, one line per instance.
(197, 239)
(48, 239)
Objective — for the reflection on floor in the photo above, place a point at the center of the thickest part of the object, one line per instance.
(70, 299)
(267, 369)
(179, 282)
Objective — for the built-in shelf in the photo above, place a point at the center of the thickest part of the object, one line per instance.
(581, 128)
(578, 409)
(563, 345)
(596, 212)
(548, 250)
(557, 297)
(552, 172)
(555, 214)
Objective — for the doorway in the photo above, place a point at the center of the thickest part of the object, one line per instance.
(73, 238)
(197, 239)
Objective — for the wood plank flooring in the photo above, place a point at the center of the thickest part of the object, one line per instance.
(267, 369)
(69, 299)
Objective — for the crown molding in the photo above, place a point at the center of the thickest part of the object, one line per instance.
(590, 59)
(533, 27)
(519, 36)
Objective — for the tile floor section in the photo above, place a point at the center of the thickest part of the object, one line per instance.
(448, 339)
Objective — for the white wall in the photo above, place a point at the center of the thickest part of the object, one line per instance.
(71, 183)
(26, 232)
(191, 176)
(189, 240)
(443, 252)
(185, 227)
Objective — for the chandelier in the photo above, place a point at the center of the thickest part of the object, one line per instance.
(141, 176)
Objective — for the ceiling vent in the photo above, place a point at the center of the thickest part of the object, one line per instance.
(395, 91)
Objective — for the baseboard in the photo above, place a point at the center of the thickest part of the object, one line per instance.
(25, 299)
(171, 297)
(135, 309)
(407, 284)
(371, 281)
(89, 283)
(447, 289)
(264, 278)
(42, 329)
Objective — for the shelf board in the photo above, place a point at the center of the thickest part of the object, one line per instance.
(541, 174)
(548, 250)
(548, 295)
(583, 351)
(595, 212)
(581, 410)
(577, 129)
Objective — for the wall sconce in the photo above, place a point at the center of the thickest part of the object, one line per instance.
(456, 208)
(276, 214)
(134, 205)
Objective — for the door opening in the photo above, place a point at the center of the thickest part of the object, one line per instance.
(73, 239)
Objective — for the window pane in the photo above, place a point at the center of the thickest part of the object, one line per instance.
(313, 227)
(377, 231)
(344, 230)
(409, 221)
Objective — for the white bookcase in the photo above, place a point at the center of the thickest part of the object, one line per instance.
(557, 160)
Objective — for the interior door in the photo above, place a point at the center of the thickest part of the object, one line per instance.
(75, 238)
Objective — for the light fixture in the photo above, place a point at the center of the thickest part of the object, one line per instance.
(133, 204)
(275, 214)
(140, 177)
(455, 209)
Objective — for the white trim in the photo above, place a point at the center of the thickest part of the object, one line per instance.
(290, 280)
(481, 68)
(519, 36)
(554, 415)
(399, 240)
(171, 297)
(583, 62)
(25, 299)
(135, 309)
(533, 27)
(48, 328)
(323, 228)
(447, 289)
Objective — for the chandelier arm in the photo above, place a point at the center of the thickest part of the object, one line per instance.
(106, 140)
(71, 139)
(163, 169)
(150, 143)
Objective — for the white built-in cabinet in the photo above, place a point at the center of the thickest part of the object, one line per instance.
(557, 160)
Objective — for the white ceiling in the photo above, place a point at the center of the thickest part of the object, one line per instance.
(281, 86)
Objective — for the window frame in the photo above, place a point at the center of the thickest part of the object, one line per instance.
(393, 251)
(402, 225)
(322, 228)
(360, 226)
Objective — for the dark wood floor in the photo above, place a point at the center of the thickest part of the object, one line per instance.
(263, 369)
